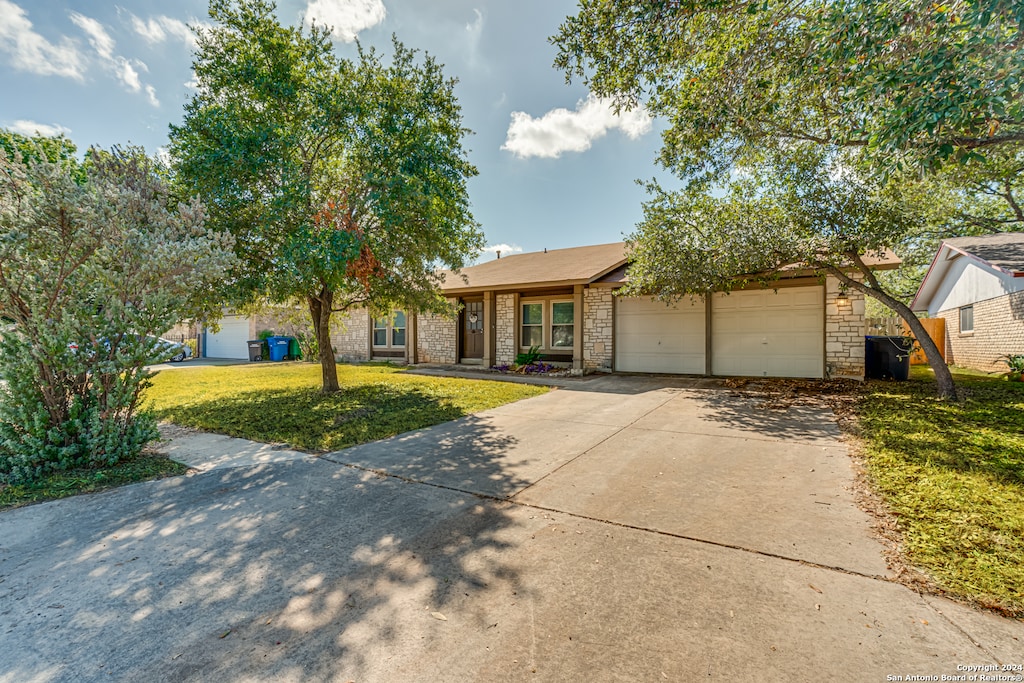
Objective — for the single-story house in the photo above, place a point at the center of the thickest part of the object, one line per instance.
(977, 285)
(564, 302)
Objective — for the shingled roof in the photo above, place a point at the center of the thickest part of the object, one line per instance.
(539, 269)
(1004, 251)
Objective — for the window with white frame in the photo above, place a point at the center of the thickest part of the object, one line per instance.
(389, 332)
(562, 324)
(548, 324)
(398, 329)
(967, 318)
(533, 325)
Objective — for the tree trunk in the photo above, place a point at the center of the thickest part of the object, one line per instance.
(943, 377)
(320, 312)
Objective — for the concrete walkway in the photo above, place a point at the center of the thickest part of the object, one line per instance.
(618, 529)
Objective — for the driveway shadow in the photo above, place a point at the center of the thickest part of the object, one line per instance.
(291, 571)
(492, 453)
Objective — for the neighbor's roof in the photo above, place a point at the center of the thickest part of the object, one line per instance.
(1003, 252)
(554, 268)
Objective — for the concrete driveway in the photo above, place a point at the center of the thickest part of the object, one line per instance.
(619, 529)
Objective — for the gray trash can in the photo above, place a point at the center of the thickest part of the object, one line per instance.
(255, 349)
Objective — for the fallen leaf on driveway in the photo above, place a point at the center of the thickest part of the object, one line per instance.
(225, 634)
(439, 616)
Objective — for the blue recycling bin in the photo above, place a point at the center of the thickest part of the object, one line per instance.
(278, 347)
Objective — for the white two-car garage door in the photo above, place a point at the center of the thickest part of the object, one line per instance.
(230, 342)
(762, 333)
(653, 337)
(758, 333)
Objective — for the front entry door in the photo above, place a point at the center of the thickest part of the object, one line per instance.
(473, 330)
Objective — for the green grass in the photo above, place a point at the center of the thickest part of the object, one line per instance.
(63, 484)
(282, 403)
(953, 474)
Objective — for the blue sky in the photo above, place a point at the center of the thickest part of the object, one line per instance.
(557, 168)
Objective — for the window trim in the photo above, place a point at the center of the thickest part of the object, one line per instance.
(389, 328)
(392, 328)
(522, 325)
(551, 326)
(960, 316)
(547, 323)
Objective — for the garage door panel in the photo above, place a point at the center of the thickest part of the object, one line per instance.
(762, 333)
(793, 321)
(653, 337)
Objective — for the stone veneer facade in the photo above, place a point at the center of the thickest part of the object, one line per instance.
(505, 329)
(351, 335)
(844, 332)
(437, 338)
(998, 330)
(598, 329)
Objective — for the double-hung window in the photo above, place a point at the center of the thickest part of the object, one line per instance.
(533, 325)
(389, 332)
(967, 319)
(548, 325)
(562, 322)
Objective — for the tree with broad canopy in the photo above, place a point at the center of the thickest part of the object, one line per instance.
(910, 87)
(806, 210)
(343, 181)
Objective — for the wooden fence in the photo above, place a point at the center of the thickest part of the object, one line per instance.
(892, 327)
(883, 327)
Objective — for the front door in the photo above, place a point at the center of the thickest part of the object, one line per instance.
(473, 329)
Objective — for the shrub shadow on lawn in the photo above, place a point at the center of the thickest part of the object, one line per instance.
(309, 420)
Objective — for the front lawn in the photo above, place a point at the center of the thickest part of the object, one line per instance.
(953, 474)
(282, 403)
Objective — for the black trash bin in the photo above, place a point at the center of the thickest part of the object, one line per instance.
(255, 349)
(887, 357)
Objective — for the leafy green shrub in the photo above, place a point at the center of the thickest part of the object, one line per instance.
(530, 357)
(1015, 362)
(94, 263)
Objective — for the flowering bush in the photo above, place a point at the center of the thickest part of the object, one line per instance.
(94, 262)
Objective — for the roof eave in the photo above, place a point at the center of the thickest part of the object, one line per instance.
(515, 286)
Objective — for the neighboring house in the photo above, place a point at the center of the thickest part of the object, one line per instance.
(977, 285)
(563, 302)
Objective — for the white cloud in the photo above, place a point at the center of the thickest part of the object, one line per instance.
(32, 52)
(474, 30)
(345, 17)
(98, 36)
(158, 29)
(31, 128)
(125, 70)
(503, 248)
(561, 130)
(127, 74)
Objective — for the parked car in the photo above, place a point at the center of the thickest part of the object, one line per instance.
(172, 351)
(164, 350)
